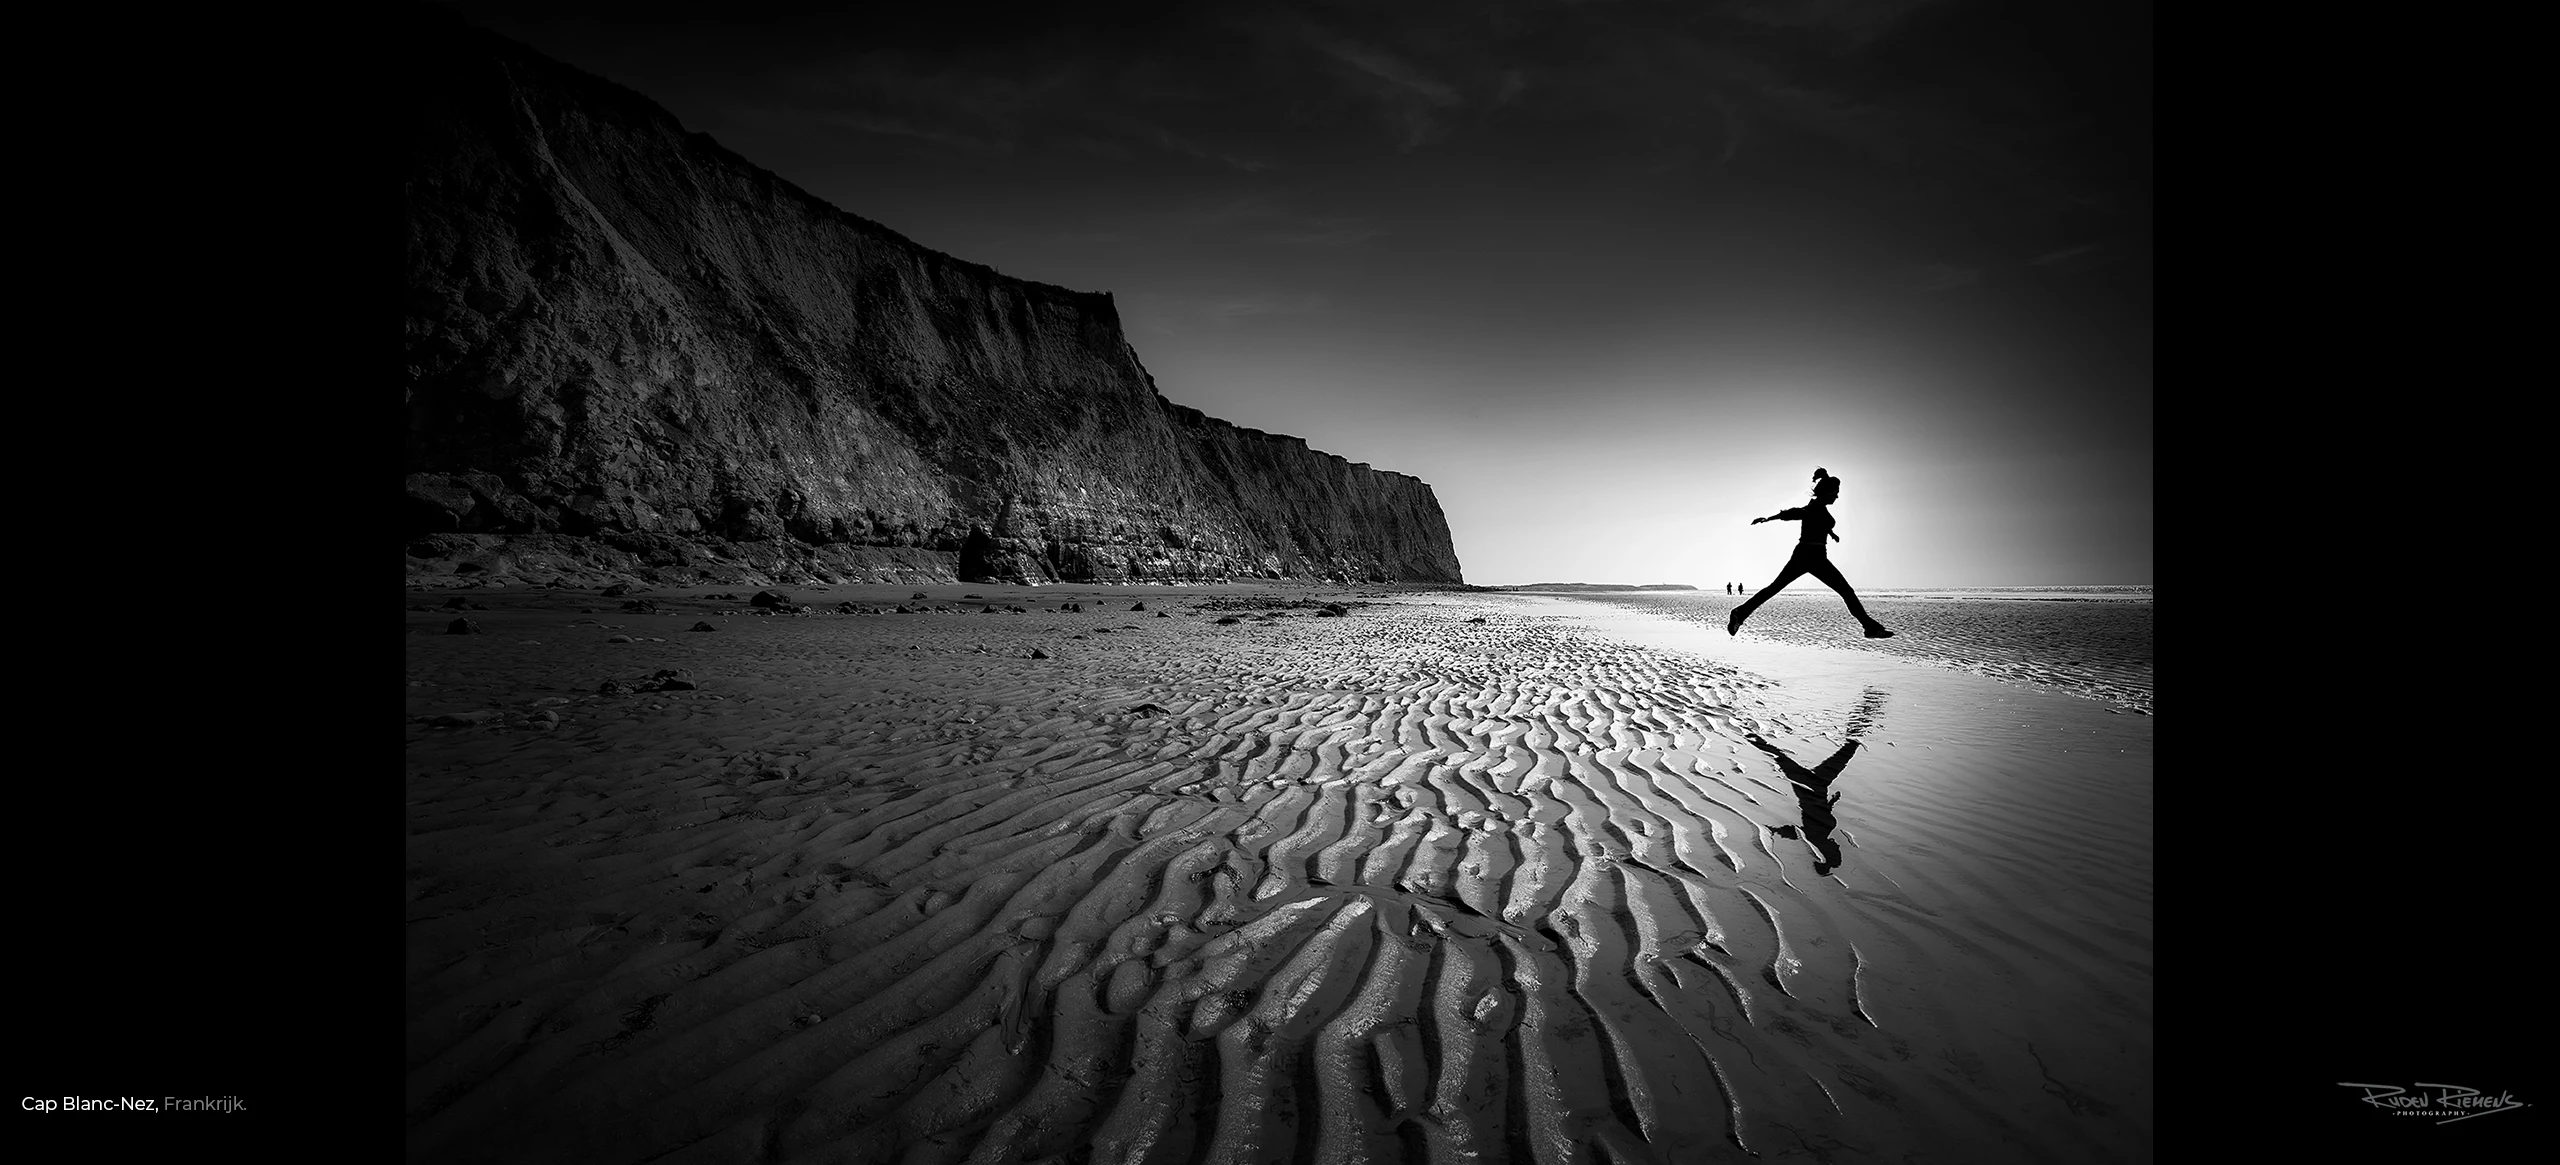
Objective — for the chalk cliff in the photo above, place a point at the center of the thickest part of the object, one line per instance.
(633, 353)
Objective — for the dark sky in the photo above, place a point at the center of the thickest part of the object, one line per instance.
(1612, 276)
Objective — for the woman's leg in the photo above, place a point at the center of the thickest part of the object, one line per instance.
(1795, 569)
(1830, 574)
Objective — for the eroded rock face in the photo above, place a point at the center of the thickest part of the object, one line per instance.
(631, 352)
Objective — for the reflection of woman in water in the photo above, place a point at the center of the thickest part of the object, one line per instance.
(1810, 558)
(1814, 799)
(1813, 807)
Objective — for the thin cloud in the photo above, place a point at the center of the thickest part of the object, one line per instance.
(1854, 22)
(1411, 102)
(1094, 238)
(2076, 258)
(1095, 146)
(982, 108)
(1176, 143)
(1389, 68)
(895, 126)
(1268, 218)
(1326, 232)
(1876, 130)
(881, 93)
(1174, 313)
(1939, 277)
(1343, 237)
(1231, 309)
(1250, 208)
(1729, 119)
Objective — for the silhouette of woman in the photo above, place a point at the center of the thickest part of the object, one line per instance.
(1810, 558)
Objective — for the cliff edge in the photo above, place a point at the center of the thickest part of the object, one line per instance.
(631, 353)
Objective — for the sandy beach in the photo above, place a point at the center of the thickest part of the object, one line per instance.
(1238, 877)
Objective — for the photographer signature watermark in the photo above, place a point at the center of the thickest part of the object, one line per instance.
(2452, 1102)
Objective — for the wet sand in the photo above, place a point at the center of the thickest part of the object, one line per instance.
(2096, 647)
(1450, 877)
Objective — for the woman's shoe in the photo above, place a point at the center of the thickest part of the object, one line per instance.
(1733, 622)
(1878, 631)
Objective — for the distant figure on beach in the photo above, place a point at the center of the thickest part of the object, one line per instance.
(1810, 558)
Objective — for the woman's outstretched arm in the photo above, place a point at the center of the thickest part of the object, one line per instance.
(1789, 515)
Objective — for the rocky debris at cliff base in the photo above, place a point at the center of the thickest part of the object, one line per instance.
(1273, 605)
(773, 600)
(540, 718)
(703, 627)
(673, 679)
(462, 627)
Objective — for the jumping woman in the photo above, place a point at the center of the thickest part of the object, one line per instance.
(1810, 558)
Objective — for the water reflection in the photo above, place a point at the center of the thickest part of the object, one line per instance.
(1814, 800)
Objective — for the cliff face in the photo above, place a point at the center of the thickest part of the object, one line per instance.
(630, 351)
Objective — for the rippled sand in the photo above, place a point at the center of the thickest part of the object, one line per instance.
(1444, 879)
